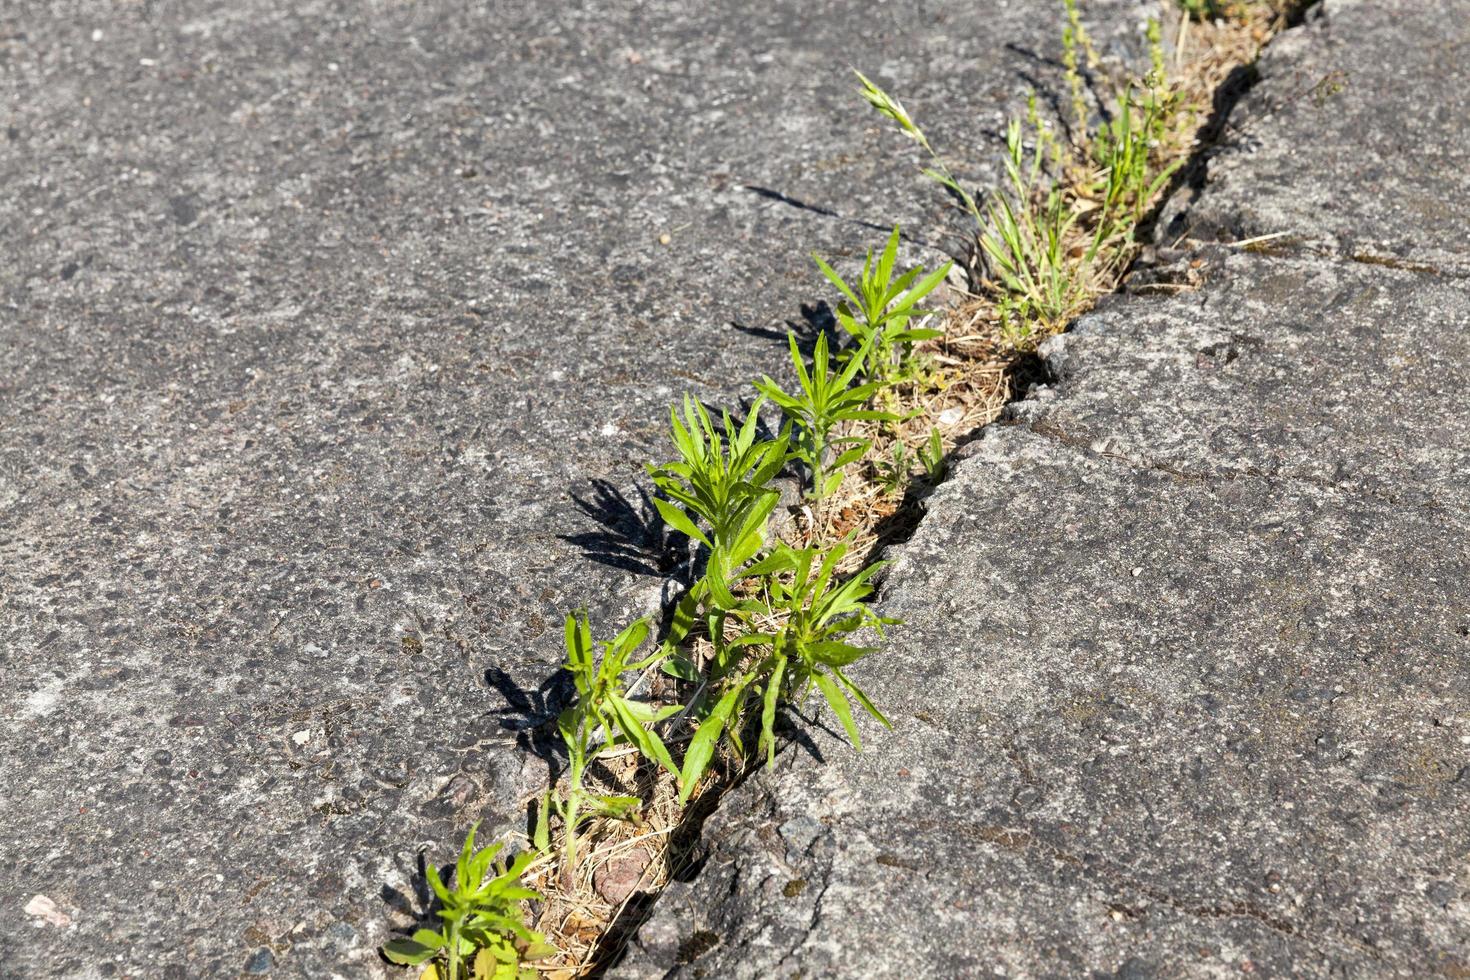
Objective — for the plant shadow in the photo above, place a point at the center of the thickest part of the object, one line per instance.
(530, 712)
(421, 906)
(816, 319)
(629, 534)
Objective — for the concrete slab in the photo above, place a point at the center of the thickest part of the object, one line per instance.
(334, 338)
(1354, 143)
(1144, 726)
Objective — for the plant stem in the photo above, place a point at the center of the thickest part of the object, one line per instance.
(454, 950)
(574, 804)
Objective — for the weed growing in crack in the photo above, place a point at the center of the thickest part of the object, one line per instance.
(1028, 244)
(1063, 223)
(722, 482)
(823, 402)
(789, 635)
(603, 718)
(483, 922)
(816, 612)
(893, 474)
(877, 311)
(932, 456)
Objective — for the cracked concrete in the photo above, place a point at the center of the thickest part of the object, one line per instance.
(1184, 685)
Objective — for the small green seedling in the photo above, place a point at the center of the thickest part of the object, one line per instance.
(931, 454)
(816, 613)
(877, 311)
(893, 474)
(723, 483)
(603, 717)
(483, 922)
(826, 400)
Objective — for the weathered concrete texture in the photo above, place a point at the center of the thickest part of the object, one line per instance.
(1355, 143)
(1145, 726)
(1334, 373)
(1185, 684)
(317, 323)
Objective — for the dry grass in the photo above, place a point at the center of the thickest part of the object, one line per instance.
(972, 374)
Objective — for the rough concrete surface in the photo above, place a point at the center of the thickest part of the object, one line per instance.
(320, 324)
(1184, 688)
(1355, 143)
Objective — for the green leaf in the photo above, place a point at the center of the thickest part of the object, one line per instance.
(538, 951)
(437, 884)
(702, 747)
(412, 952)
(649, 744)
(855, 329)
(616, 807)
(857, 692)
(835, 653)
(679, 521)
(917, 334)
(768, 710)
(541, 835)
(836, 280)
(851, 456)
(839, 704)
(686, 614)
(680, 666)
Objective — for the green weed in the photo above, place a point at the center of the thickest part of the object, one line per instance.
(723, 483)
(823, 402)
(818, 614)
(793, 638)
(878, 310)
(602, 718)
(483, 924)
(893, 474)
(1028, 243)
(931, 455)
(1064, 219)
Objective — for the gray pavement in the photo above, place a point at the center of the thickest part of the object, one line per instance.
(1185, 684)
(334, 336)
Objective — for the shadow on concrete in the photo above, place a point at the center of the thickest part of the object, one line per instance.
(630, 533)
